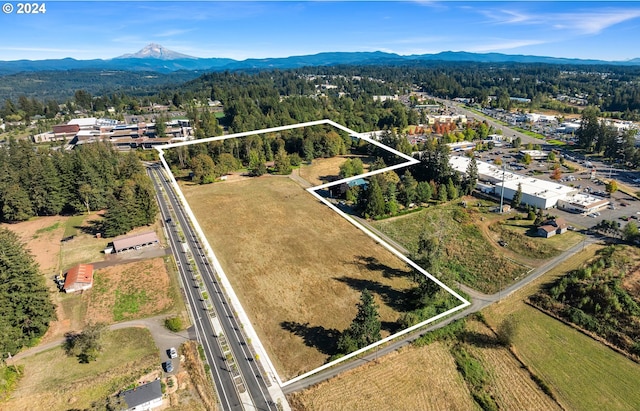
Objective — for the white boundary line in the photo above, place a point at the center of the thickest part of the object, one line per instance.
(227, 285)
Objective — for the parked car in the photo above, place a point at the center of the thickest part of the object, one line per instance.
(172, 352)
(168, 366)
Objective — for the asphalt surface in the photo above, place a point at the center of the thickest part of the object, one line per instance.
(225, 377)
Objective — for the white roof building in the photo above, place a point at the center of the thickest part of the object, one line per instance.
(84, 123)
(535, 192)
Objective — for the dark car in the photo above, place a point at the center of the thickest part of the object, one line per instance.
(168, 366)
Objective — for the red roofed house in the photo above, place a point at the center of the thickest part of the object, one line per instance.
(79, 278)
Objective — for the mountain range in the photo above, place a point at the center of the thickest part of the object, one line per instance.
(155, 57)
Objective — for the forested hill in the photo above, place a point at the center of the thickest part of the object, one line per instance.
(61, 85)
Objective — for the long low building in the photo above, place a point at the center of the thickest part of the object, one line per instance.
(135, 242)
(535, 192)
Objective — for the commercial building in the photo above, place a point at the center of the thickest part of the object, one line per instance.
(582, 203)
(535, 192)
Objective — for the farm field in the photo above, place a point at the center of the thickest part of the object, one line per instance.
(411, 379)
(467, 253)
(65, 383)
(510, 384)
(582, 372)
(297, 267)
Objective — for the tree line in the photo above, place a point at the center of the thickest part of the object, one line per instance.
(39, 182)
(26, 307)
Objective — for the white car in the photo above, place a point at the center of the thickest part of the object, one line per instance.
(172, 352)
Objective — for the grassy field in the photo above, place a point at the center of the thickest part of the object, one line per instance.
(412, 379)
(510, 384)
(582, 372)
(130, 291)
(65, 383)
(297, 267)
(468, 254)
(519, 238)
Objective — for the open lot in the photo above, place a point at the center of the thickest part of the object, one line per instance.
(468, 251)
(64, 383)
(584, 373)
(297, 267)
(411, 379)
(129, 291)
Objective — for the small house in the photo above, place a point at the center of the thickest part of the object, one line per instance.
(552, 227)
(144, 397)
(79, 278)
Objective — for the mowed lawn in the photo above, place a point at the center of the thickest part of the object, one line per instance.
(297, 267)
(584, 373)
(54, 381)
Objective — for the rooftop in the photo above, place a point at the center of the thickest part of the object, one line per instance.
(81, 273)
(143, 394)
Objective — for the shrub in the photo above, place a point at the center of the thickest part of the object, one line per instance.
(174, 324)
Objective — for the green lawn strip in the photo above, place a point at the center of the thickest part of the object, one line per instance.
(529, 133)
(585, 373)
(47, 229)
(73, 222)
(127, 354)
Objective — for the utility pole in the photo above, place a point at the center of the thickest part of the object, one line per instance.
(504, 166)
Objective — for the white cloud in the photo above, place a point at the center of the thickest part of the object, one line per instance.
(501, 45)
(593, 23)
(578, 21)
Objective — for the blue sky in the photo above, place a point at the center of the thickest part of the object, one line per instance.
(240, 30)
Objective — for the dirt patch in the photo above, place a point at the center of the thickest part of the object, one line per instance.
(297, 267)
(42, 237)
(128, 291)
(412, 379)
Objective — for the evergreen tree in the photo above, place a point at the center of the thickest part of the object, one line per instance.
(24, 298)
(374, 205)
(282, 163)
(424, 192)
(471, 176)
(452, 190)
(517, 197)
(365, 327)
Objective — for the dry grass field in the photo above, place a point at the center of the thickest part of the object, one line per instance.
(412, 379)
(297, 267)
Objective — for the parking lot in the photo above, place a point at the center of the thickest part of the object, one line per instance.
(623, 207)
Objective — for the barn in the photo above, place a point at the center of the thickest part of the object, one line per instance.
(78, 278)
(135, 242)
